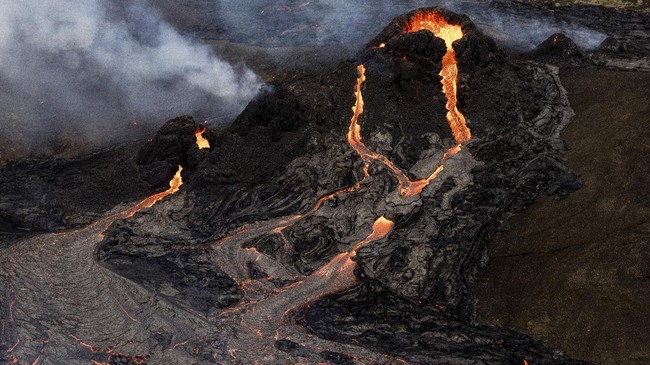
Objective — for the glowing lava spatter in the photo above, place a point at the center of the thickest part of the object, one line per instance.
(201, 142)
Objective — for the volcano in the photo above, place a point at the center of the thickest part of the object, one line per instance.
(341, 219)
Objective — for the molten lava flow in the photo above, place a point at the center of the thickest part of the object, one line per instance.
(407, 187)
(176, 182)
(201, 142)
(437, 25)
(380, 229)
(355, 139)
(333, 277)
(174, 185)
(450, 33)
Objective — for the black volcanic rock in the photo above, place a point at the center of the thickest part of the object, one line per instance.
(171, 143)
(420, 334)
(174, 144)
(289, 148)
(45, 195)
(559, 49)
(611, 45)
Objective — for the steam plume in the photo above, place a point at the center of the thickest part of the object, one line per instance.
(86, 67)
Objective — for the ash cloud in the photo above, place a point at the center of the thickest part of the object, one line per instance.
(92, 70)
(353, 23)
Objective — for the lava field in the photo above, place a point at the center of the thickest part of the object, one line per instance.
(343, 217)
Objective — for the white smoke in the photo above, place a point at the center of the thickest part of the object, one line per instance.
(87, 66)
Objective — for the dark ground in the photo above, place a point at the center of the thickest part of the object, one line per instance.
(575, 272)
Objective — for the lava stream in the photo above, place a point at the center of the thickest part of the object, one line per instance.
(174, 185)
(450, 33)
(266, 315)
(407, 187)
(337, 274)
(437, 25)
(270, 314)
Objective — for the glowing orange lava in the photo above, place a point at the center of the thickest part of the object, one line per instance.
(407, 187)
(174, 185)
(112, 354)
(201, 142)
(356, 142)
(333, 277)
(342, 263)
(380, 229)
(437, 25)
(176, 182)
(450, 33)
(338, 274)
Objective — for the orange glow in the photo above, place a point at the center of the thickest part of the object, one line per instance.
(174, 185)
(342, 264)
(450, 33)
(525, 362)
(112, 354)
(12, 348)
(437, 25)
(180, 344)
(201, 142)
(355, 139)
(176, 182)
(337, 274)
(380, 229)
